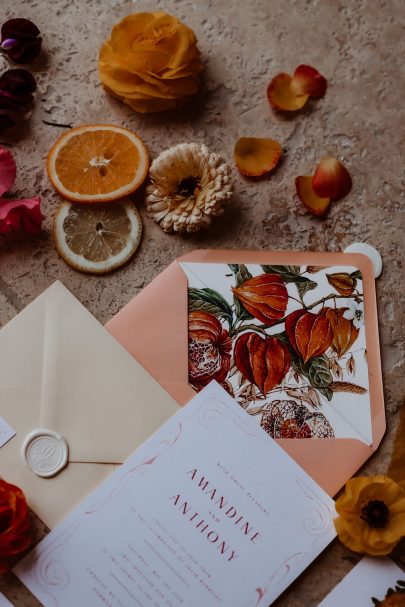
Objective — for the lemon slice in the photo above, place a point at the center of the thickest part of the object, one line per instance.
(97, 238)
(97, 163)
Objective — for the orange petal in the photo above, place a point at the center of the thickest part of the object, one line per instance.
(316, 205)
(256, 156)
(331, 179)
(308, 81)
(281, 97)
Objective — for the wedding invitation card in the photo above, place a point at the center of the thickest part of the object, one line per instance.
(368, 584)
(209, 511)
(4, 602)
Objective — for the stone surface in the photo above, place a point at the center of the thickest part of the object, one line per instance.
(358, 46)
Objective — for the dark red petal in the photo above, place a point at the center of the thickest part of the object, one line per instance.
(307, 80)
(18, 82)
(16, 28)
(331, 179)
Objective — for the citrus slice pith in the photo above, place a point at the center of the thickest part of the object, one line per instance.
(97, 163)
(99, 238)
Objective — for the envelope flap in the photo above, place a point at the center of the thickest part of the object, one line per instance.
(153, 328)
(92, 391)
(21, 345)
(202, 273)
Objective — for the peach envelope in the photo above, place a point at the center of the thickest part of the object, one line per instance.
(153, 327)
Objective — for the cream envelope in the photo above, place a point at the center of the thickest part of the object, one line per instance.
(62, 371)
(153, 328)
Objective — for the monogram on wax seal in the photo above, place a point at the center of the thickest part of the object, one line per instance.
(46, 452)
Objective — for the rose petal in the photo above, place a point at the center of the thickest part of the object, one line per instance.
(256, 156)
(8, 170)
(20, 214)
(281, 97)
(316, 205)
(307, 80)
(331, 179)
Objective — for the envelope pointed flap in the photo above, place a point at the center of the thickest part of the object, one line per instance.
(153, 328)
(330, 462)
(21, 345)
(102, 401)
(51, 499)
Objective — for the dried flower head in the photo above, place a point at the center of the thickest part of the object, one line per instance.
(20, 40)
(189, 186)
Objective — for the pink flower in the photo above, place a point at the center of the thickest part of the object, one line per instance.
(15, 214)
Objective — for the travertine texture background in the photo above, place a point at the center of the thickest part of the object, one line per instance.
(358, 45)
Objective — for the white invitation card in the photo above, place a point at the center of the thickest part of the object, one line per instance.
(4, 602)
(208, 512)
(368, 584)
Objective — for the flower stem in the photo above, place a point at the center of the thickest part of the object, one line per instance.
(323, 299)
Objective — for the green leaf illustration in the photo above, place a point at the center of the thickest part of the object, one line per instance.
(288, 273)
(327, 392)
(241, 275)
(210, 301)
(304, 285)
(317, 371)
(282, 337)
(357, 275)
(291, 274)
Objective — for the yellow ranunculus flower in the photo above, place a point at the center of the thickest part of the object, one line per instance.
(371, 515)
(151, 62)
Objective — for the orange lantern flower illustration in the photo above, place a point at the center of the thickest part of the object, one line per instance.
(342, 282)
(209, 349)
(263, 362)
(265, 297)
(309, 334)
(344, 331)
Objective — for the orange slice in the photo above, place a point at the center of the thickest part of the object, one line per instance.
(97, 163)
(97, 238)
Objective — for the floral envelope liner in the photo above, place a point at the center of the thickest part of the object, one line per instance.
(287, 342)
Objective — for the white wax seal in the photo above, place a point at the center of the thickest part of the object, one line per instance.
(370, 252)
(46, 452)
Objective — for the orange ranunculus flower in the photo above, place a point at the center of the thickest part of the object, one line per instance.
(371, 515)
(15, 535)
(209, 349)
(151, 62)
